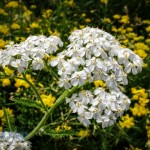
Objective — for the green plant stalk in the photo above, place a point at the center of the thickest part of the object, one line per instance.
(34, 89)
(7, 119)
(65, 94)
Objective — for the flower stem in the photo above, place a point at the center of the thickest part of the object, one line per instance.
(65, 94)
(34, 89)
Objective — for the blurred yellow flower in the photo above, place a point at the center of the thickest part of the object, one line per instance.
(141, 46)
(34, 25)
(8, 71)
(83, 133)
(2, 43)
(146, 21)
(5, 82)
(148, 29)
(48, 99)
(124, 19)
(2, 12)
(114, 29)
(20, 82)
(141, 53)
(139, 110)
(126, 121)
(116, 16)
(83, 14)
(12, 4)
(4, 29)
(1, 113)
(47, 13)
(107, 20)
(1, 128)
(87, 20)
(15, 26)
(129, 29)
(104, 1)
(99, 83)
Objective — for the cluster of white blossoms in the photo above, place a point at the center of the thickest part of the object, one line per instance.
(96, 55)
(13, 141)
(30, 53)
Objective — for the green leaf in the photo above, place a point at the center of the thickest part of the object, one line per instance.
(28, 103)
(58, 134)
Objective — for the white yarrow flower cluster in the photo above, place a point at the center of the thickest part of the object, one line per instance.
(96, 55)
(13, 141)
(29, 53)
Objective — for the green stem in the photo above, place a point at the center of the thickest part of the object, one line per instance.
(65, 94)
(7, 119)
(34, 89)
(51, 71)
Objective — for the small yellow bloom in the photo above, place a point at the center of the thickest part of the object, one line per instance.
(107, 20)
(114, 29)
(4, 29)
(126, 121)
(2, 43)
(148, 29)
(8, 71)
(2, 12)
(58, 128)
(34, 25)
(5, 82)
(15, 26)
(104, 1)
(135, 97)
(1, 128)
(124, 19)
(81, 26)
(83, 133)
(83, 14)
(116, 16)
(1, 113)
(12, 4)
(48, 99)
(88, 20)
(99, 83)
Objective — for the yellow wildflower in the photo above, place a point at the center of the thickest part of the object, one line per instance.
(131, 35)
(148, 29)
(27, 14)
(135, 97)
(48, 99)
(141, 46)
(88, 20)
(114, 29)
(83, 14)
(34, 25)
(47, 13)
(99, 83)
(81, 26)
(1, 113)
(129, 29)
(83, 133)
(116, 16)
(4, 29)
(2, 12)
(124, 19)
(5, 82)
(104, 1)
(139, 110)
(12, 4)
(1, 128)
(33, 6)
(126, 121)
(15, 26)
(2, 43)
(146, 21)
(20, 82)
(58, 128)
(147, 41)
(65, 127)
(141, 53)
(8, 71)
(107, 20)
